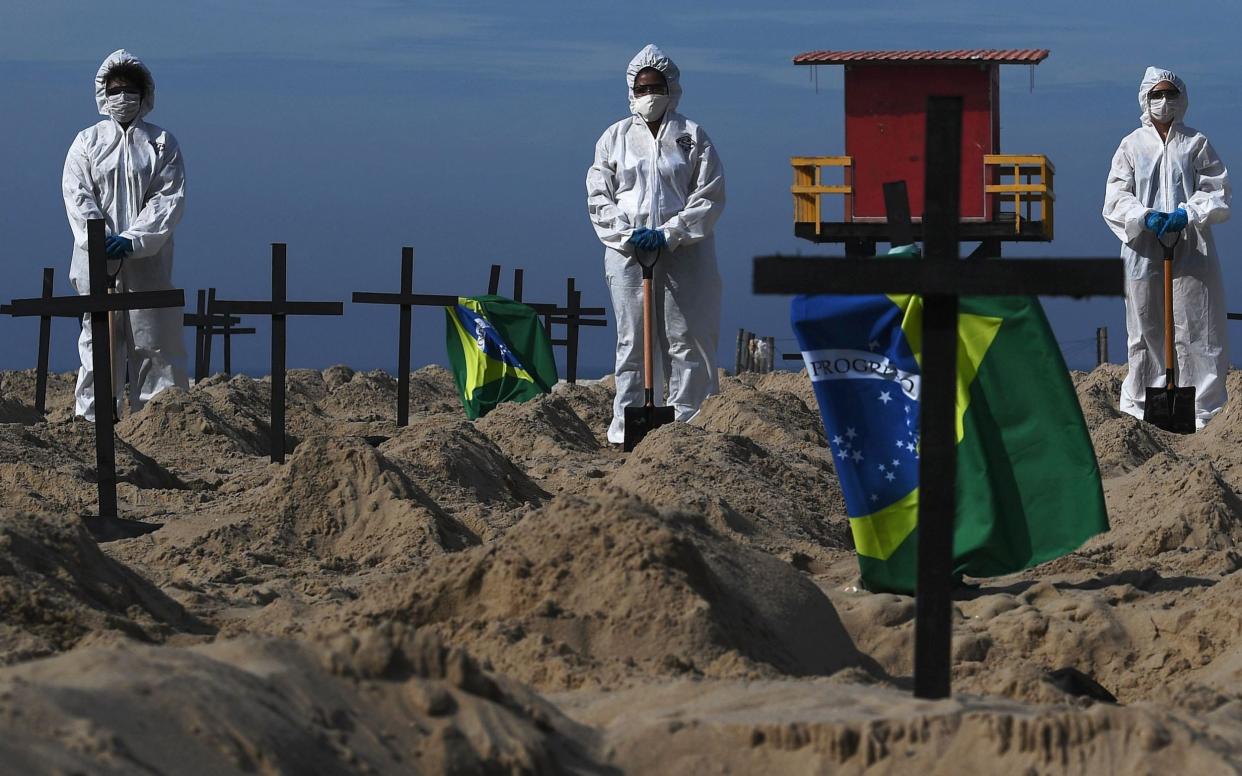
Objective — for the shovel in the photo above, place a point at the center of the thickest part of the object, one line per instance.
(1170, 408)
(641, 420)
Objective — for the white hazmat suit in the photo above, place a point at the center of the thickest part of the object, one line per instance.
(1148, 175)
(133, 179)
(673, 182)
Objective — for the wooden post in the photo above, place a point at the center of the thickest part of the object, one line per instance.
(1101, 345)
(45, 346)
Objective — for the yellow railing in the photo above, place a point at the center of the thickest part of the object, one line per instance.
(808, 186)
(1024, 192)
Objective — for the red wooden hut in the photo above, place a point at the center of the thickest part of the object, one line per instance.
(1003, 197)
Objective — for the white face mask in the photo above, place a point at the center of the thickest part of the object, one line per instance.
(651, 106)
(124, 106)
(1161, 109)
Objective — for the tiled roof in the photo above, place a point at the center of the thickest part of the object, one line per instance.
(999, 56)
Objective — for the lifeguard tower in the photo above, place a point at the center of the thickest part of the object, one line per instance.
(1004, 197)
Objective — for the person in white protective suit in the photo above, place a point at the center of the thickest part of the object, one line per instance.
(1166, 178)
(128, 172)
(657, 184)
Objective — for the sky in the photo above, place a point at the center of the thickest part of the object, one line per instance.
(348, 130)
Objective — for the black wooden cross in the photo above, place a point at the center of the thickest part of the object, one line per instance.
(45, 339)
(279, 308)
(573, 316)
(207, 323)
(940, 278)
(406, 299)
(99, 304)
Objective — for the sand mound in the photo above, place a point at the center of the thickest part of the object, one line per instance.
(380, 702)
(1099, 392)
(780, 502)
(359, 396)
(20, 387)
(244, 404)
(822, 726)
(796, 383)
(769, 417)
(1124, 443)
(176, 426)
(1169, 504)
(471, 477)
(590, 401)
(13, 410)
(612, 587)
(340, 499)
(57, 589)
(546, 426)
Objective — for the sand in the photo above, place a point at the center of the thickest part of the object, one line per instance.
(515, 595)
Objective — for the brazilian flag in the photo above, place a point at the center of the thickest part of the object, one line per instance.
(499, 352)
(1028, 486)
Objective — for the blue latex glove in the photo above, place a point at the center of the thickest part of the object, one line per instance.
(655, 240)
(118, 247)
(1176, 222)
(639, 237)
(1155, 221)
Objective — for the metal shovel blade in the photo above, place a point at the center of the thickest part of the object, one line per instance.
(639, 421)
(1172, 409)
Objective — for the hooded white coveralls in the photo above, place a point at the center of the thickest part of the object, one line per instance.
(134, 179)
(1153, 175)
(673, 182)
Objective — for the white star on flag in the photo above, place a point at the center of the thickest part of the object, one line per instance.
(890, 476)
(857, 456)
(842, 454)
(837, 440)
(901, 443)
(910, 446)
(881, 467)
(874, 497)
(885, 397)
(850, 433)
(896, 463)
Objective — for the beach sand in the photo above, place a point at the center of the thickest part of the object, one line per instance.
(514, 595)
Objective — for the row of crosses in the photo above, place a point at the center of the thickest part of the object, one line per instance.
(219, 317)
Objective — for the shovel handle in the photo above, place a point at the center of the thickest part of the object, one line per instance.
(1168, 317)
(648, 360)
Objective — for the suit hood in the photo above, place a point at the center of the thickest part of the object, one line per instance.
(652, 56)
(118, 57)
(1153, 76)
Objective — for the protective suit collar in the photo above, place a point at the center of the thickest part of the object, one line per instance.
(652, 56)
(1153, 76)
(101, 76)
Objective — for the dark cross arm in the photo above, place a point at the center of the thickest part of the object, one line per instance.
(422, 300)
(72, 306)
(260, 307)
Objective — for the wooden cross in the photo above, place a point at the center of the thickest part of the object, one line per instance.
(406, 299)
(573, 316)
(99, 304)
(279, 308)
(207, 323)
(45, 339)
(940, 278)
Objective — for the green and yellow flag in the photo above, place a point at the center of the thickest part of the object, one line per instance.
(499, 352)
(1028, 486)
